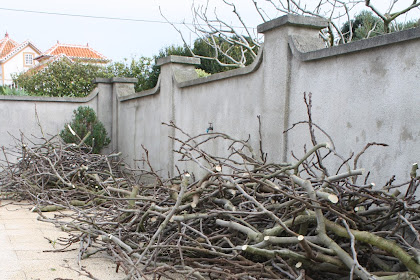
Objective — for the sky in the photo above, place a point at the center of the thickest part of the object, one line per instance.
(141, 30)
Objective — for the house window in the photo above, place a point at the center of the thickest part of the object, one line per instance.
(29, 59)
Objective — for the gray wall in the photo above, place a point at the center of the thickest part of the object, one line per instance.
(37, 117)
(371, 95)
(19, 114)
(366, 91)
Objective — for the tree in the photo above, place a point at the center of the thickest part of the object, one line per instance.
(61, 78)
(170, 50)
(217, 32)
(223, 38)
(141, 68)
(204, 49)
(389, 16)
(366, 24)
(148, 79)
(74, 79)
(147, 72)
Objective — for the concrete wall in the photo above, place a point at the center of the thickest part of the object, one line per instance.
(366, 91)
(28, 114)
(362, 92)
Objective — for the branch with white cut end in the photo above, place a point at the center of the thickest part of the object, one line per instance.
(321, 230)
(413, 173)
(328, 196)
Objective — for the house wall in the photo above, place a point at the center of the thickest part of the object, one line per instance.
(16, 64)
(362, 92)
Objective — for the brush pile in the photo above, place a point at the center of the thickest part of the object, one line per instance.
(242, 219)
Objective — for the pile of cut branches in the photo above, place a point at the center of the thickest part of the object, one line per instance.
(245, 218)
(49, 169)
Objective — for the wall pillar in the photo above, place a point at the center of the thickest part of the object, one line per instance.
(108, 105)
(174, 70)
(278, 71)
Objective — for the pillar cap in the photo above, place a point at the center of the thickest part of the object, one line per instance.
(178, 60)
(293, 20)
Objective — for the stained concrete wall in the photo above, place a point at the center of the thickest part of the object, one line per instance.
(46, 116)
(362, 92)
(21, 115)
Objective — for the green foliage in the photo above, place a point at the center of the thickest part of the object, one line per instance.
(5, 90)
(202, 47)
(135, 68)
(61, 78)
(84, 121)
(201, 73)
(64, 78)
(405, 25)
(144, 68)
(367, 25)
(208, 66)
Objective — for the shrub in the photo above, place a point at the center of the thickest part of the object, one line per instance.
(61, 78)
(5, 90)
(84, 121)
(201, 73)
(140, 68)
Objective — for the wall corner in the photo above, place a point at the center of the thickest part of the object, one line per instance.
(109, 89)
(104, 106)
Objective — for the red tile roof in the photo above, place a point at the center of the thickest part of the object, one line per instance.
(6, 46)
(74, 52)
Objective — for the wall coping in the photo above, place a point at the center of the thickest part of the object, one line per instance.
(215, 77)
(88, 98)
(254, 66)
(178, 60)
(293, 20)
(115, 80)
(141, 94)
(356, 46)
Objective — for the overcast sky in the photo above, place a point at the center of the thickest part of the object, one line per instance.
(116, 39)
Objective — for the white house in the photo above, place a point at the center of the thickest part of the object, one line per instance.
(15, 58)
